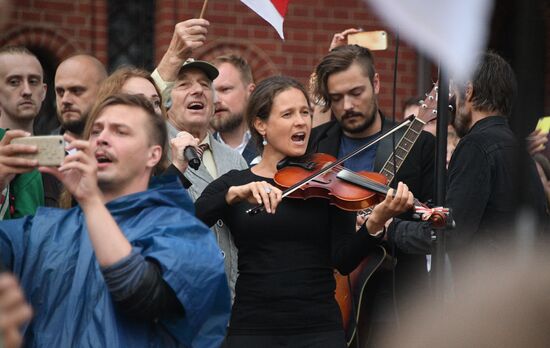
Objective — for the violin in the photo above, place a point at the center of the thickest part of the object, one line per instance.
(314, 170)
(322, 176)
(346, 189)
(333, 184)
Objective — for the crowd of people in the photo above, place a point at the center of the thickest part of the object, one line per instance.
(126, 244)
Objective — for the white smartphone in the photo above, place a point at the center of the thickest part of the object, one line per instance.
(51, 149)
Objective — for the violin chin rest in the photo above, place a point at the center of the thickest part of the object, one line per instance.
(283, 163)
(289, 162)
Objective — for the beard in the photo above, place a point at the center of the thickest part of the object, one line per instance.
(227, 124)
(366, 121)
(74, 126)
(462, 121)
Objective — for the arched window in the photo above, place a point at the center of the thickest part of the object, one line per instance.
(46, 121)
(131, 33)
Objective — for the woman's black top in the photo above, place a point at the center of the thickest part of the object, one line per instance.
(286, 261)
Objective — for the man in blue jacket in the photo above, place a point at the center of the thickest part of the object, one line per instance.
(129, 266)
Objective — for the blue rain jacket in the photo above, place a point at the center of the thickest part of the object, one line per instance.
(53, 257)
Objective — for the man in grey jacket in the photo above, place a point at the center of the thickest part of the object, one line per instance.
(188, 123)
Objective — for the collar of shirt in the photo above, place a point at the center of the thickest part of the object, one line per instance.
(242, 145)
(206, 140)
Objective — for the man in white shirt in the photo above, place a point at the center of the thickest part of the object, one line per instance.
(233, 87)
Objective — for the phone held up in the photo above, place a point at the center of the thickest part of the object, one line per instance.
(51, 149)
(373, 40)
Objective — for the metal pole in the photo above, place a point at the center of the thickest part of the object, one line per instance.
(440, 185)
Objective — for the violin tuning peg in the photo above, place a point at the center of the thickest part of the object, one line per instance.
(434, 112)
(424, 106)
(431, 97)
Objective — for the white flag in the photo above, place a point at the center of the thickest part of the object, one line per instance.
(453, 31)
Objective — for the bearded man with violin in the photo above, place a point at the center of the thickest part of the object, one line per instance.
(347, 83)
(287, 254)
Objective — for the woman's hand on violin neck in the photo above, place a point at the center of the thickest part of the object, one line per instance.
(257, 192)
(392, 205)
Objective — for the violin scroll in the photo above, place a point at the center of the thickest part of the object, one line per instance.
(438, 216)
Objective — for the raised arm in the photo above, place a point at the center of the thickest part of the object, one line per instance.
(78, 174)
(341, 39)
(136, 284)
(188, 36)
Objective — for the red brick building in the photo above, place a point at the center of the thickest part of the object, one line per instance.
(56, 29)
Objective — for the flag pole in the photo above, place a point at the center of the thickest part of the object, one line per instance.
(203, 9)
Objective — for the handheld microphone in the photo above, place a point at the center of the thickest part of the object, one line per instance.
(191, 155)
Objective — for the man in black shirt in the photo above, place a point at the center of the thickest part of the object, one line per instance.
(346, 82)
(483, 171)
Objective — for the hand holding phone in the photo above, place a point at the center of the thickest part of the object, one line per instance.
(11, 163)
(543, 124)
(341, 39)
(51, 149)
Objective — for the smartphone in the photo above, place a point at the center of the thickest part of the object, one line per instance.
(51, 149)
(373, 40)
(544, 124)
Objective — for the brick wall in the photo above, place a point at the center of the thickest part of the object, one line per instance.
(64, 27)
(309, 26)
(60, 26)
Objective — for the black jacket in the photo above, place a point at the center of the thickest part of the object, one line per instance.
(417, 172)
(483, 176)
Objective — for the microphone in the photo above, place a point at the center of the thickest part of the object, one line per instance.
(191, 155)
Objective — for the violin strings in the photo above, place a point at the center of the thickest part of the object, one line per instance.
(296, 186)
(374, 185)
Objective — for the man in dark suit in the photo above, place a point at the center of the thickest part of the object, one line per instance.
(346, 82)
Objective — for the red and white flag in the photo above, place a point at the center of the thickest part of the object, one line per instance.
(273, 11)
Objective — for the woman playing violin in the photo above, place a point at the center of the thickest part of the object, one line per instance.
(285, 289)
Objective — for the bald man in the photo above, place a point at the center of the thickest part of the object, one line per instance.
(77, 81)
(22, 91)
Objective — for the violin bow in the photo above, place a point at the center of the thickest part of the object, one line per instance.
(291, 189)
